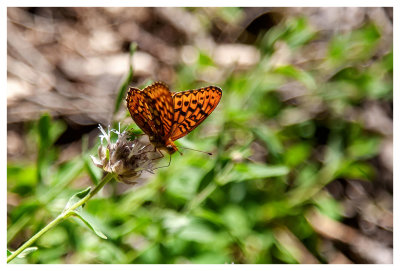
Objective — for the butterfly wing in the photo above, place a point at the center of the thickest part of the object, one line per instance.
(159, 99)
(191, 108)
(139, 110)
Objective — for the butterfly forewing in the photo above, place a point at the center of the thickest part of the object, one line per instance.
(191, 108)
(139, 110)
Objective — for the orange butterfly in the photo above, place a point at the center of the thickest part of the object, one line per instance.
(165, 116)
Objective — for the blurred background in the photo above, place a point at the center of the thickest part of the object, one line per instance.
(302, 170)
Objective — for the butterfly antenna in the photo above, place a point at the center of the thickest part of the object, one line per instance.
(209, 153)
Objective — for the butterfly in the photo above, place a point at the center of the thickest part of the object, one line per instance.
(165, 116)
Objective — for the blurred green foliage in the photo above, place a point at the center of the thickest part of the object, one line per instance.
(272, 160)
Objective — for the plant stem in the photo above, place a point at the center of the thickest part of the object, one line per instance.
(65, 214)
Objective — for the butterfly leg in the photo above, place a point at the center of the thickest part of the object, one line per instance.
(146, 147)
(162, 155)
(150, 171)
(169, 163)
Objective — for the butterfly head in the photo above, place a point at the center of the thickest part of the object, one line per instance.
(166, 145)
(170, 147)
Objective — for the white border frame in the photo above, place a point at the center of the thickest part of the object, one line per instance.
(283, 3)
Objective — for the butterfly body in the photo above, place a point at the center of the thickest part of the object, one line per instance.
(165, 116)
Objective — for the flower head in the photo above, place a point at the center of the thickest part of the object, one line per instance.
(126, 157)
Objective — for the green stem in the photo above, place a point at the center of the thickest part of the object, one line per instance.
(65, 214)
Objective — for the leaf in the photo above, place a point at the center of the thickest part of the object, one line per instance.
(237, 220)
(66, 173)
(174, 222)
(286, 251)
(48, 132)
(77, 197)
(206, 179)
(298, 74)
(356, 170)
(91, 170)
(364, 147)
(27, 251)
(387, 62)
(297, 154)
(354, 46)
(298, 32)
(127, 80)
(208, 215)
(89, 164)
(197, 231)
(43, 130)
(245, 172)
(328, 205)
(271, 37)
(272, 142)
(205, 60)
(24, 253)
(89, 222)
(43, 144)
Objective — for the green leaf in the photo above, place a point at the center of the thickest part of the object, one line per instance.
(205, 60)
(88, 221)
(354, 46)
(328, 205)
(236, 219)
(246, 172)
(198, 232)
(298, 32)
(127, 80)
(66, 173)
(92, 170)
(298, 74)
(48, 132)
(307, 175)
(27, 251)
(43, 129)
(43, 144)
(297, 154)
(364, 147)
(24, 253)
(77, 197)
(284, 252)
(21, 178)
(270, 139)
(231, 14)
(387, 61)
(174, 222)
(206, 179)
(356, 170)
(208, 215)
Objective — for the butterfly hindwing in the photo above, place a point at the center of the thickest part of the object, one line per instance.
(159, 99)
(191, 108)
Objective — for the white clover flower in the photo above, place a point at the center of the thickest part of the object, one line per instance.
(127, 158)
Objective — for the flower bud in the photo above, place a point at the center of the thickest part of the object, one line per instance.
(127, 158)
